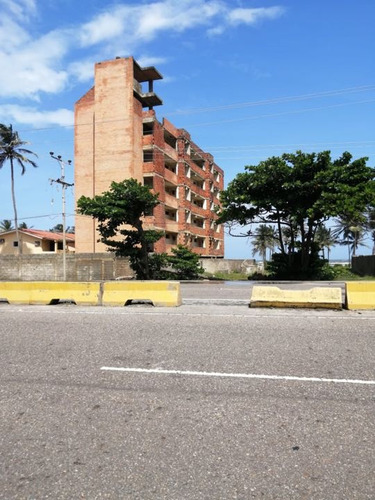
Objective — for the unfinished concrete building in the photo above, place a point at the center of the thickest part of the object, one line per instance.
(118, 136)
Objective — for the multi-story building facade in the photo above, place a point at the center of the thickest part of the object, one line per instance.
(117, 138)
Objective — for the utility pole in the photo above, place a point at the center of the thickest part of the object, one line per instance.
(64, 185)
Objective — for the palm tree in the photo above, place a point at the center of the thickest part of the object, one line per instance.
(11, 148)
(57, 229)
(351, 230)
(325, 239)
(371, 226)
(264, 239)
(6, 225)
(23, 225)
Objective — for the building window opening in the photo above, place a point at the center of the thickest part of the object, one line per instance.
(148, 128)
(149, 182)
(170, 165)
(171, 214)
(199, 243)
(172, 191)
(198, 222)
(15, 243)
(171, 238)
(148, 156)
(198, 202)
(170, 139)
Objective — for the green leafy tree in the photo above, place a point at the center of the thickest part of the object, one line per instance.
(6, 225)
(12, 150)
(264, 238)
(299, 192)
(185, 263)
(124, 205)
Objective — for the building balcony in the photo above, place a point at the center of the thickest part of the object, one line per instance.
(202, 212)
(170, 176)
(171, 225)
(169, 151)
(171, 201)
(195, 230)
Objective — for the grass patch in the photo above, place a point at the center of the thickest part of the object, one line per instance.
(344, 273)
(226, 276)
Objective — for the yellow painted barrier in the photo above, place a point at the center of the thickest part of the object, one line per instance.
(318, 297)
(160, 293)
(49, 292)
(360, 294)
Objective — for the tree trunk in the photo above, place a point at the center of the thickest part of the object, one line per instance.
(143, 252)
(15, 207)
(280, 234)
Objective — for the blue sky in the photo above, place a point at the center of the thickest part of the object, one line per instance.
(248, 80)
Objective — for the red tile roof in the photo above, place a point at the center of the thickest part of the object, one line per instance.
(49, 235)
(44, 235)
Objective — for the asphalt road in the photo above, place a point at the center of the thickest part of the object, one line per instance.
(218, 427)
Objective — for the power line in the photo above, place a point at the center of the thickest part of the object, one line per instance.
(277, 100)
(272, 115)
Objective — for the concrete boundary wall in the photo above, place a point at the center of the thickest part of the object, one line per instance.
(79, 267)
(95, 267)
(364, 265)
(246, 266)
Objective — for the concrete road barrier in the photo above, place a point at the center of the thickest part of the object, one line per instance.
(159, 293)
(50, 292)
(360, 294)
(111, 293)
(318, 297)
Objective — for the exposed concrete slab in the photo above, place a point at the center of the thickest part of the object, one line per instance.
(317, 297)
(360, 295)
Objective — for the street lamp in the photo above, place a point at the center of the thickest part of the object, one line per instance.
(64, 185)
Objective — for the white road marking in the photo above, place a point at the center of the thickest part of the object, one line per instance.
(238, 375)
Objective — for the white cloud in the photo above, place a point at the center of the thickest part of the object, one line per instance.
(104, 27)
(20, 9)
(175, 16)
(83, 71)
(36, 118)
(151, 61)
(142, 23)
(34, 67)
(253, 16)
(12, 35)
(31, 66)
